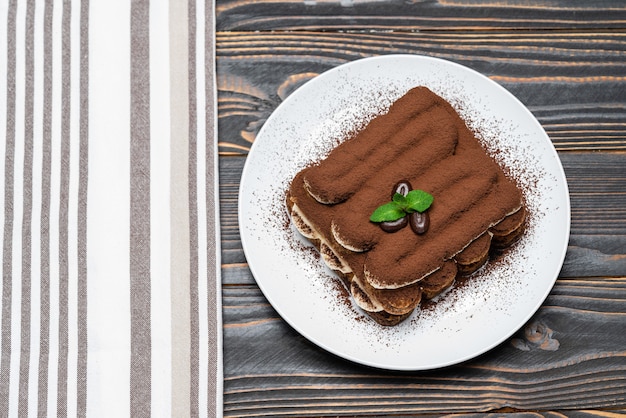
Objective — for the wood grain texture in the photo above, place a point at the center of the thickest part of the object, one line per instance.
(572, 354)
(568, 356)
(413, 15)
(574, 83)
(566, 61)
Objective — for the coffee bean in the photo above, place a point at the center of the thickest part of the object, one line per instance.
(393, 226)
(419, 222)
(403, 187)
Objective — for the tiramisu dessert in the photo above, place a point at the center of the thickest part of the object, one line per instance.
(406, 206)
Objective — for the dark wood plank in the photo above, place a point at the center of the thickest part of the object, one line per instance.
(571, 355)
(597, 185)
(570, 358)
(574, 83)
(265, 358)
(400, 15)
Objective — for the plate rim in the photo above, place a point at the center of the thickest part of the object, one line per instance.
(559, 259)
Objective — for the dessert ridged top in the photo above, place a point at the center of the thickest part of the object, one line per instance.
(423, 140)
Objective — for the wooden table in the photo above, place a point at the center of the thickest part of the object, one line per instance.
(566, 61)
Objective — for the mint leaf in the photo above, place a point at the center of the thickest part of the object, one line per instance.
(402, 205)
(388, 212)
(400, 199)
(418, 201)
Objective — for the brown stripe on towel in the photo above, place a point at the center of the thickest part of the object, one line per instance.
(212, 200)
(27, 208)
(46, 172)
(64, 210)
(82, 347)
(7, 243)
(140, 357)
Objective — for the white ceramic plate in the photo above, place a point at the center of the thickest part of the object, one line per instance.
(465, 322)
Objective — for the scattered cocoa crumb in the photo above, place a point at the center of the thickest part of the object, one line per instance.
(517, 163)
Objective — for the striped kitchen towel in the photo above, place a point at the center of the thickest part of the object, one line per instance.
(111, 293)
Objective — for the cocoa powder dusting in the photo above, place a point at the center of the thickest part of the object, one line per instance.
(423, 140)
(503, 269)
